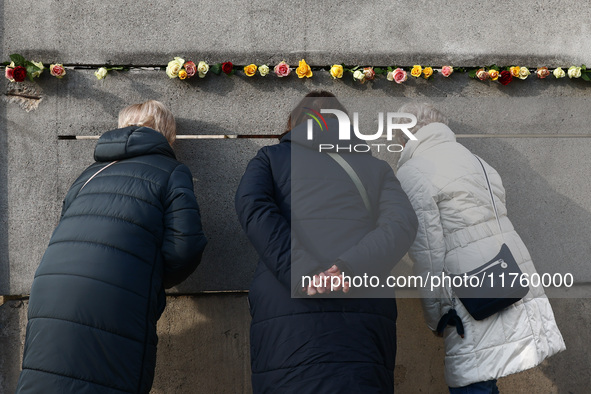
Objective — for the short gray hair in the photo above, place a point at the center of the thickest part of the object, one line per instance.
(425, 113)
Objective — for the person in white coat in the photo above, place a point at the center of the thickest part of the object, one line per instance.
(458, 231)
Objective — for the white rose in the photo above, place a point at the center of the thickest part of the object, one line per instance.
(558, 73)
(359, 75)
(174, 66)
(202, 68)
(101, 73)
(41, 68)
(263, 70)
(574, 72)
(390, 76)
(523, 73)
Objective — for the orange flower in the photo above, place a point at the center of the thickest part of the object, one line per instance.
(515, 71)
(183, 74)
(303, 70)
(250, 70)
(493, 74)
(427, 72)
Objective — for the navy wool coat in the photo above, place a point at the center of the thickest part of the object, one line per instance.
(309, 344)
(123, 237)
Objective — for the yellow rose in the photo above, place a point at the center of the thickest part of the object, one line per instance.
(416, 71)
(427, 72)
(250, 70)
(174, 66)
(303, 70)
(336, 71)
(493, 74)
(183, 74)
(515, 71)
(263, 70)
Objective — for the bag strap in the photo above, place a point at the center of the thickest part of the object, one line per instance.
(492, 198)
(355, 178)
(95, 174)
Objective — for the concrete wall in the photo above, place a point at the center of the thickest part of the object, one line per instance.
(520, 129)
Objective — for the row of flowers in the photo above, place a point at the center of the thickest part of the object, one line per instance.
(19, 69)
(178, 68)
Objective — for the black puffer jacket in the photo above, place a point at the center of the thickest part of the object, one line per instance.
(99, 290)
(312, 345)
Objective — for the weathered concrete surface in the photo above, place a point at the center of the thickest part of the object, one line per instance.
(204, 345)
(13, 320)
(30, 188)
(371, 32)
(82, 105)
(204, 348)
(546, 178)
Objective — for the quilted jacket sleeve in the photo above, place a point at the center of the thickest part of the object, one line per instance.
(390, 240)
(428, 250)
(266, 228)
(184, 240)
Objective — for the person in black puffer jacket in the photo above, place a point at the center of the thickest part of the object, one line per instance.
(311, 344)
(130, 226)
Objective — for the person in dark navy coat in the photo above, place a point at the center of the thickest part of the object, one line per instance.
(311, 220)
(130, 227)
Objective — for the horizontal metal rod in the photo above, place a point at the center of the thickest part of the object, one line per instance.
(270, 136)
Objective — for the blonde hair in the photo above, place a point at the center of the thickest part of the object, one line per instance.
(425, 113)
(151, 114)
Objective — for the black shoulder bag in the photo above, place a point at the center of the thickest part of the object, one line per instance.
(491, 287)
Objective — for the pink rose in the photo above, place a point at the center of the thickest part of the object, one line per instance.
(190, 68)
(9, 74)
(446, 71)
(282, 69)
(482, 74)
(399, 75)
(57, 70)
(369, 73)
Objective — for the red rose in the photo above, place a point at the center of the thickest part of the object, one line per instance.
(19, 73)
(190, 68)
(227, 67)
(505, 77)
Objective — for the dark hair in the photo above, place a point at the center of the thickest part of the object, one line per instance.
(316, 100)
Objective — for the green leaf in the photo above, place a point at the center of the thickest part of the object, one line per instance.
(31, 68)
(378, 70)
(18, 59)
(583, 67)
(494, 67)
(585, 77)
(389, 69)
(472, 73)
(216, 68)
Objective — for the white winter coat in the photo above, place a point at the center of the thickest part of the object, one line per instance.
(458, 232)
